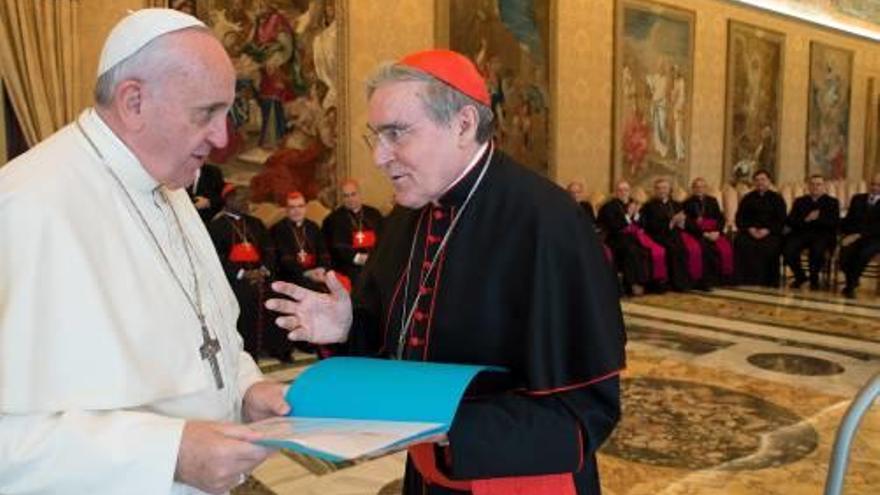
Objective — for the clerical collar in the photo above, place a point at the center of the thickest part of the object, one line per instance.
(115, 153)
(232, 214)
(456, 193)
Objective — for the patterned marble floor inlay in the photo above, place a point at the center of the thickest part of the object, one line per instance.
(674, 341)
(795, 364)
(769, 313)
(689, 425)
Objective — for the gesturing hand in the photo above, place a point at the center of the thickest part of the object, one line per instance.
(312, 316)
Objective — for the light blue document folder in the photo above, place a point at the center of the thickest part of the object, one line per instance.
(348, 408)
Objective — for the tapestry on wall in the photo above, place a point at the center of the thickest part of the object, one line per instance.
(828, 111)
(653, 92)
(509, 41)
(283, 123)
(754, 101)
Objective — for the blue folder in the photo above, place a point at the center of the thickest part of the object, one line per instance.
(348, 408)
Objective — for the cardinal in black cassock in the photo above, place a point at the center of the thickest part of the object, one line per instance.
(663, 220)
(248, 258)
(760, 219)
(483, 262)
(302, 258)
(630, 258)
(351, 232)
(705, 222)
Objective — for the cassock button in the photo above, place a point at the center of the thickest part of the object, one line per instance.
(416, 342)
(438, 214)
(419, 316)
(424, 291)
(433, 239)
(426, 265)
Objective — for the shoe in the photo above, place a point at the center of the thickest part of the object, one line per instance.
(814, 285)
(849, 292)
(798, 282)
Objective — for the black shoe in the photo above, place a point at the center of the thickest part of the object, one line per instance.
(798, 282)
(849, 292)
(814, 285)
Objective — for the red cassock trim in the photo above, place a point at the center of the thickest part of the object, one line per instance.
(572, 386)
(425, 461)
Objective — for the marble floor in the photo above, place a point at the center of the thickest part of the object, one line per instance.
(737, 391)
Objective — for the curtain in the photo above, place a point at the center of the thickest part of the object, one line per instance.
(39, 61)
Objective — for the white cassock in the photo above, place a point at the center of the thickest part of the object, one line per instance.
(99, 346)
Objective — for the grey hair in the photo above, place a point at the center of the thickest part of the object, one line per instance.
(151, 62)
(440, 100)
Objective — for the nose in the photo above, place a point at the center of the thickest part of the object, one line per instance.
(382, 153)
(217, 135)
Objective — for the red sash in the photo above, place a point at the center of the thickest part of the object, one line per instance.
(725, 250)
(609, 255)
(693, 255)
(658, 253)
(244, 252)
(306, 260)
(363, 239)
(422, 456)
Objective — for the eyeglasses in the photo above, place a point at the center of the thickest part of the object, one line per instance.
(389, 136)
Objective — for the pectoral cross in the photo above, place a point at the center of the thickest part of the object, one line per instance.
(209, 350)
(360, 237)
(301, 255)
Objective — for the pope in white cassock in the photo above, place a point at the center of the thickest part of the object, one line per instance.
(121, 371)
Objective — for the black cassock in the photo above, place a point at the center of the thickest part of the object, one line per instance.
(702, 212)
(588, 209)
(655, 218)
(630, 258)
(818, 236)
(757, 260)
(209, 185)
(348, 233)
(522, 284)
(861, 218)
(298, 249)
(229, 230)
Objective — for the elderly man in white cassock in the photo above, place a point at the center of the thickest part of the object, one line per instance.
(121, 371)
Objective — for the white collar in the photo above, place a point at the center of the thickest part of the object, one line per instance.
(473, 163)
(115, 153)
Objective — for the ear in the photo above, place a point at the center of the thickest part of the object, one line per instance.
(466, 125)
(129, 104)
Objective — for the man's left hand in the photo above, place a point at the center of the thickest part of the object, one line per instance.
(201, 202)
(263, 400)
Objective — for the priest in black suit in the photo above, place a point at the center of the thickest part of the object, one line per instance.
(861, 242)
(760, 220)
(812, 223)
(207, 192)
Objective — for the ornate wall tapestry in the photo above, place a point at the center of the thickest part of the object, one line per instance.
(284, 122)
(754, 101)
(828, 113)
(509, 40)
(653, 92)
